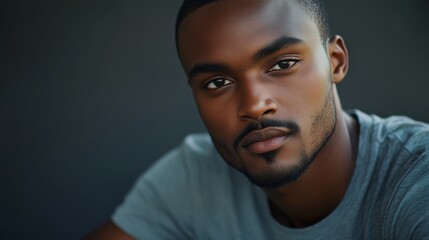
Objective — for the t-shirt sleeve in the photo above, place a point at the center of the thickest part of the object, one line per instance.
(157, 207)
(410, 207)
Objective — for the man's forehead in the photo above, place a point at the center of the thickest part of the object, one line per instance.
(242, 16)
(236, 18)
(227, 32)
(220, 8)
(190, 6)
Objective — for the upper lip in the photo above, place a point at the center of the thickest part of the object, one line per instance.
(264, 134)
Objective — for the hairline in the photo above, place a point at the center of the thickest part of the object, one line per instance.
(319, 17)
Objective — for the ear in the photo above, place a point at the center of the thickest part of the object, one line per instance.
(339, 58)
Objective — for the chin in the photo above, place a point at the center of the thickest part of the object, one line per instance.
(279, 172)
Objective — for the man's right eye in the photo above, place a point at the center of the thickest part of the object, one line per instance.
(218, 83)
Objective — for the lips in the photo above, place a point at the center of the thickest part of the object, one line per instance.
(265, 140)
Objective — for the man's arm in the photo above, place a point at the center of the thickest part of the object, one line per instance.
(107, 231)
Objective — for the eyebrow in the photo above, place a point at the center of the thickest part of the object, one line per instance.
(276, 45)
(207, 68)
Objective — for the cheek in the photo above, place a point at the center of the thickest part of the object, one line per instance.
(220, 120)
(316, 80)
(308, 90)
(218, 117)
(314, 91)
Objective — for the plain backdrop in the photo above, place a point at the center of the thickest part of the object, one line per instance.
(91, 93)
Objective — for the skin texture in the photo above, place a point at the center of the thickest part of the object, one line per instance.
(274, 115)
(234, 89)
(253, 91)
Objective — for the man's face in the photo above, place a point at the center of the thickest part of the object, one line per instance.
(262, 82)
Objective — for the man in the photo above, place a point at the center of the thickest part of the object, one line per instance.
(263, 74)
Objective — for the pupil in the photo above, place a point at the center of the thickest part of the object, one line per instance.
(218, 82)
(284, 64)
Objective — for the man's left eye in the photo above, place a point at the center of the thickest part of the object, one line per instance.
(284, 64)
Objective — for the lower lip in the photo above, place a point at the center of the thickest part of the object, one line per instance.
(267, 145)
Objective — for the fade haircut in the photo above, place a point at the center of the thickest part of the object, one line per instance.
(314, 8)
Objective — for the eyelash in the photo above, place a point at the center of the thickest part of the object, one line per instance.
(212, 82)
(291, 63)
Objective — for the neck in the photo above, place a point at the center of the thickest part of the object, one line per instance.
(319, 191)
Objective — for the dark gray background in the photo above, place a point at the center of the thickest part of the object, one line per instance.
(91, 93)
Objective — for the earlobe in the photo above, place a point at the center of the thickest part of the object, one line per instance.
(339, 58)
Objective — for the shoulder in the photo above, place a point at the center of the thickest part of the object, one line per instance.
(397, 149)
(395, 132)
(408, 208)
(394, 147)
(161, 203)
(193, 158)
(197, 145)
(195, 153)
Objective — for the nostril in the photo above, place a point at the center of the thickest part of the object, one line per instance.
(269, 111)
(256, 108)
(270, 107)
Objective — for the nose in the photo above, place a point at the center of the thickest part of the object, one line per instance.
(256, 102)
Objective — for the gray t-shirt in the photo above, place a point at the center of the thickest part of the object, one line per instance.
(191, 193)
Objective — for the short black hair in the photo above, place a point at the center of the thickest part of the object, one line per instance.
(314, 8)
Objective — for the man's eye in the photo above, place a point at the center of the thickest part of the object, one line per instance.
(217, 83)
(284, 64)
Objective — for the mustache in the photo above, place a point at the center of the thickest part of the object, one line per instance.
(264, 123)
